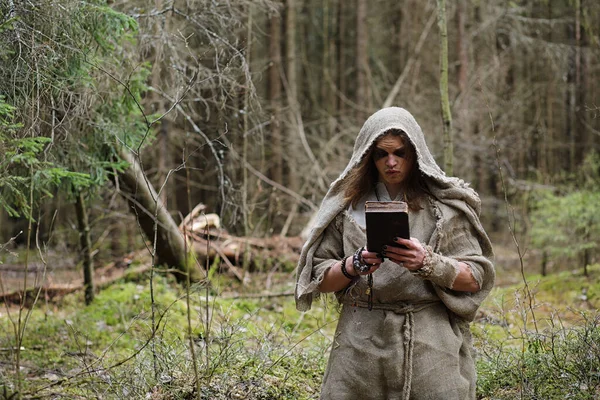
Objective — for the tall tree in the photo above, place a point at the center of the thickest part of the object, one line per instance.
(85, 240)
(461, 46)
(275, 74)
(293, 104)
(571, 95)
(580, 87)
(341, 38)
(362, 57)
(444, 96)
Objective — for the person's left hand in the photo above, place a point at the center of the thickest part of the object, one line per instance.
(411, 257)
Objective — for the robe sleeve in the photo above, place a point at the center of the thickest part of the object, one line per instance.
(320, 257)
(461, 243)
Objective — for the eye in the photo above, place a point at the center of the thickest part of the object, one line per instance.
(400, 153)
(378, 154)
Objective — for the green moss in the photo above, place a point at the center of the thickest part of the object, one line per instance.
(264, 346)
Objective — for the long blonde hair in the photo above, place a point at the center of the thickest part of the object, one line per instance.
(364, 176)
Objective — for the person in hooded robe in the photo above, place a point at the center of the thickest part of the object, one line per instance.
(403, 331)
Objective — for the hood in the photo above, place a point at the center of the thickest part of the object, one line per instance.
(398, 118)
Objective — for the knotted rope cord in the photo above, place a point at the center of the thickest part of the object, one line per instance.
(409, 345)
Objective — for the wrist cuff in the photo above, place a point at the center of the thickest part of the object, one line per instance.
(438, 269)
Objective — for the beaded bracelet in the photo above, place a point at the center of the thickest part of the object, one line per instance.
(358, 263)
(345, 271)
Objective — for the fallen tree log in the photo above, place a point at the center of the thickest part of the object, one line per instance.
(239, 254)
(51, 292)
(259, 252)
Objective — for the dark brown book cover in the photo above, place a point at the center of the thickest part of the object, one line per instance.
(386, 220)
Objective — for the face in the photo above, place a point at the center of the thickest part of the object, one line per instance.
(393, 160)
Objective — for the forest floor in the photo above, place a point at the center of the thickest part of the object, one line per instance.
(260, 346)
(59, 275)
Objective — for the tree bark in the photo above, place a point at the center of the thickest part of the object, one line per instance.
(571, 98)
(246, 125)
(462, 130)
(341, 58)
(86, 248)
(293, 109)
(362, 90)
(153, 217)
(400, 32)
(329, 63)
(580, 87)
(163, 156)
(445, 101)
(548, 142)
(275, 95)
(324, 91)
(461, 44)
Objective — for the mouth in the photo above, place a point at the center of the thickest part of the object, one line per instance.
(392, 172)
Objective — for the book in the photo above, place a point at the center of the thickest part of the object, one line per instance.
(385, 220)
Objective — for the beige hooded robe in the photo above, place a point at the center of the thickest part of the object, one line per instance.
(415, 343)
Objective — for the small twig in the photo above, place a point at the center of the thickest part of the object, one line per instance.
(396, 89)
(295, 345)
(115, 365)
(199, 131)
(257, 295)
(275, 184)
(510, 215)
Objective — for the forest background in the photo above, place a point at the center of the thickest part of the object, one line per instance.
(119, 118)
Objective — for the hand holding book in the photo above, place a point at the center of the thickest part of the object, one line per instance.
(411, 255)
(388, 235)
(386, 220)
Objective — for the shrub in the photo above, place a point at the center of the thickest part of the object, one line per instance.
(561, 363)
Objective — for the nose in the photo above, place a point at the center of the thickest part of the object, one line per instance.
(391, 161)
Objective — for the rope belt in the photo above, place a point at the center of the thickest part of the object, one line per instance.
(408, 331)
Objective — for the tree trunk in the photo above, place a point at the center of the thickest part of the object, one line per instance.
(548, 143)
(324, 89)
(246, 126)
(362, 90)
(153, 217)
(5, 227)
(163, 156)
(86, 248)
(275, 96)
(399, 45)
(461, 44)
(544, 263)
(158, 56)
(291, 74)
(116, 236)
(462, 129)
(445, 101)
(571, 102)
(341, 58)
(329, 63)
(580, 87)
